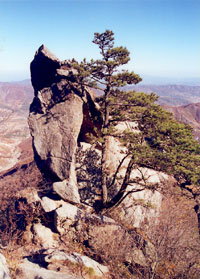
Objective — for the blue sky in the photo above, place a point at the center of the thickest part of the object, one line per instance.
(163, 36)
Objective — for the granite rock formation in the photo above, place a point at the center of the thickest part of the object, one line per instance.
(56, 119)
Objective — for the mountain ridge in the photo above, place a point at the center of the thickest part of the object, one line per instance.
(172, 94)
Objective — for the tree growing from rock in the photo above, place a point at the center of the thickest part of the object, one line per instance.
(161, 142)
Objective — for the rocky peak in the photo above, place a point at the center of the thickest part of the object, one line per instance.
(43, 68)
(47, 69)
(56, 119)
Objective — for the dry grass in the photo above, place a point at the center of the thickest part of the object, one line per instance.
(15, 211)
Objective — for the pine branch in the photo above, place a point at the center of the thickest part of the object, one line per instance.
(98, 80)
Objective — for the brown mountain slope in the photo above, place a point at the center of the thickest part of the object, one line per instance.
(15, 98)
(16, 95)
(189, 114)
(172, 94)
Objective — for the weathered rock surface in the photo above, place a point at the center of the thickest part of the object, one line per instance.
(55, 134)
(66, 190)
(59, 264)
(143, 204)
(50, 205)
(4, 272)
(138, 257)
(65, 216)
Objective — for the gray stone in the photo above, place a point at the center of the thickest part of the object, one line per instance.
(32, 271)
(62, 112)
(99, 269)
(138, 257)
(48, 204)
(51, 205)
(65, 216)
(66, 73)
(59, 256)
(4, 271)
(43, 68)
(44, 236)
(66, 190)
(55, 134)
(68, 216)
(138, 206)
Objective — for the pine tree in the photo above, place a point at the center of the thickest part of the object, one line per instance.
(106, 73)
(162, 143)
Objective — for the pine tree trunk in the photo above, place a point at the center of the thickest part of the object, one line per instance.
(117, 198)
(105, 149)
(104, 171)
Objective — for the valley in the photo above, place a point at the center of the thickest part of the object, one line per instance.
(15, 99)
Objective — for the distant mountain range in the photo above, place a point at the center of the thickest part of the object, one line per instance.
(172, 95)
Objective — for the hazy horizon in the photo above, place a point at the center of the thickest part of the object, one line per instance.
(146, 80)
